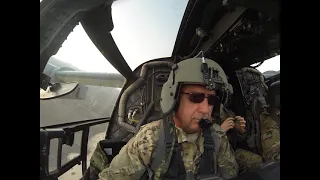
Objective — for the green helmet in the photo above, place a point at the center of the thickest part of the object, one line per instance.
(193, 71)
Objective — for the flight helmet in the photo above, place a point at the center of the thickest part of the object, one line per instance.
(273, 95)
(193, 71)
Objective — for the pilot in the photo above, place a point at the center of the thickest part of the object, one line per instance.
(270, 124)
(270, 132)
(234, 126)
(185, 143)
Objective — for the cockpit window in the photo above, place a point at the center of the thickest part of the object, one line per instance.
(147, 30)
(99, 82)
(271, 65)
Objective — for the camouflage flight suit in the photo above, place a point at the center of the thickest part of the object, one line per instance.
(245, 159)
(270, 142)
(270, 137)
(138, 153)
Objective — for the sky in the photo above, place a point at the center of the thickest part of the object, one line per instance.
(147, 30)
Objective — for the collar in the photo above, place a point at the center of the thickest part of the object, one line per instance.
(184, 137)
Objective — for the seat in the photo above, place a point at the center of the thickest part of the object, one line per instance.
(111, 147)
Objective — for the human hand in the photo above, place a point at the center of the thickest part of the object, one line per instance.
(228, 124)
(240, 124)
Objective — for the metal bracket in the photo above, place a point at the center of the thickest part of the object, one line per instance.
(65, 134)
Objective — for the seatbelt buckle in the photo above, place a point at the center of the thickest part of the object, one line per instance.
(208, 143)
(208, 146)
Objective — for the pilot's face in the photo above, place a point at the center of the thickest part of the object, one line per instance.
(193, 107)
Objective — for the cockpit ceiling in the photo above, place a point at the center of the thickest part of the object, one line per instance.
(231, 34)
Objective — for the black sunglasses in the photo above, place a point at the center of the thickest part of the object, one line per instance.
(199, 97)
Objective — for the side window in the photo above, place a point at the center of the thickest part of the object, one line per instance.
(79, 60)
(272, 64)
(99, 87)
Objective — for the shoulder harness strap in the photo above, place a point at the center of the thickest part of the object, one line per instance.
(160, 153)
(168, 155)
(168, 150)
(208, 163)
(207, 160)
(176, 169)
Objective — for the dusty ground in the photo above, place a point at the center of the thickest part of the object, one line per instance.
(98, 103)
(76, 172)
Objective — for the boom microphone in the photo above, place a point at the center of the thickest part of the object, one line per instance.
(205, 123)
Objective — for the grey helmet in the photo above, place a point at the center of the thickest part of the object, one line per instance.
(193, 71)
(273, 95)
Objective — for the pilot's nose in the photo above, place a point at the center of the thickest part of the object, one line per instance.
(204, 107)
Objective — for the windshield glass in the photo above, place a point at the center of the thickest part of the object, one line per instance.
(99, 87)
(147, 30)
(271, 65)
(79, 60)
